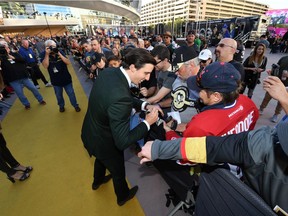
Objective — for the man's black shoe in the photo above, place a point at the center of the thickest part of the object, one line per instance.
(105, 180)
(131, 194)
(61, 109)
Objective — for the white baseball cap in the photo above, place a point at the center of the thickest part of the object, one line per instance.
(205, 54)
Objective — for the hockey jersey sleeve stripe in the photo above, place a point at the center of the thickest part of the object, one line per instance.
(194, 149)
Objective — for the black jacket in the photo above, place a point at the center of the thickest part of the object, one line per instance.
(106, 127)
(13, 69)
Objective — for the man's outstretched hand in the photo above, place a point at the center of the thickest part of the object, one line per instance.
(145, 153)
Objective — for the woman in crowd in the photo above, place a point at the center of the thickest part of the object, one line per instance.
(116, 52)
(254, 65)
(8, 164)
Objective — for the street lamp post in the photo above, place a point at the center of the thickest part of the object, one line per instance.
(47, 24)
(173, 25)
(197, 15)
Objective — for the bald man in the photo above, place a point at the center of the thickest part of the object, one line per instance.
(225, 51)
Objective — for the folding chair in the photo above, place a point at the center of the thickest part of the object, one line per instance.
(181, 182)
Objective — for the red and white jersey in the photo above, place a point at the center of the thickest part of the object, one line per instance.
(239, 117)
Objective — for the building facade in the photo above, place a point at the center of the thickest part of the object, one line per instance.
(165, 11)
(22, 18)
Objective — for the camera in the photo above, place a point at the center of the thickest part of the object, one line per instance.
(275, 70)
(54, 49)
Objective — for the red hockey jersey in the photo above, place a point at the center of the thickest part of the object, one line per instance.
(241, 116)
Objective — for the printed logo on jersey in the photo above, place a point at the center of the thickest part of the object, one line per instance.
(181, 99)
(236, 111)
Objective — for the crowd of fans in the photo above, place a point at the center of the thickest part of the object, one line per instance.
(186, 84)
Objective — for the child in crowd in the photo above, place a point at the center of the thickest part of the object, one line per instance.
(114, 61)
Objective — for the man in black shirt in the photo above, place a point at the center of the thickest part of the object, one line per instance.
(56, 63)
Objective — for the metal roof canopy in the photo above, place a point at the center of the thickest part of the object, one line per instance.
(98, 5)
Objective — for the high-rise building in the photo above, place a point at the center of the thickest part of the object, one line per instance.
(164, 11)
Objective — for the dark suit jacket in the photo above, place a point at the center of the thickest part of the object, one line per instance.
(106, 127)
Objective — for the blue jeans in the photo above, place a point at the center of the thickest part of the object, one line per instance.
(17, 85)
(69, 91)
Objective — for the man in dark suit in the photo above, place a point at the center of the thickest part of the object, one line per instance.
(106, 127)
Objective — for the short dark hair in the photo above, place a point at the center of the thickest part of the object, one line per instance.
(161, 51)
(84, 41)
(139, 57)
(113, 58)
(148, 39)
(191, 32)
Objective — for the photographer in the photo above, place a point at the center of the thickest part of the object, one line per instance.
(15, 73)
(56, 62)
(281, 71)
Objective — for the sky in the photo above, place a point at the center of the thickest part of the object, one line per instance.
(274, 4)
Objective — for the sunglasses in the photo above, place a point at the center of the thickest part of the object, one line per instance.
(223, 45)
(159, 62)
(203, 61)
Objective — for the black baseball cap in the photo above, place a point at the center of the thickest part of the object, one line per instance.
(96, 57)
(218, 77)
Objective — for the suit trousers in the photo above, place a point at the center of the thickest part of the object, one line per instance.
(6, 158)
(116, 168)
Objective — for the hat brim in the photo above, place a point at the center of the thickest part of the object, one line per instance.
(180, 64)
(205, 58)
(94, 62)
(282, 132)
(192, 84)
